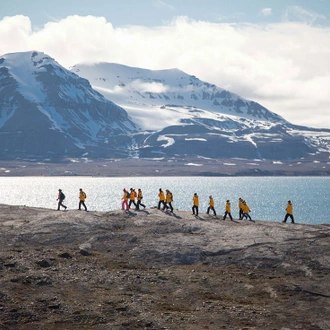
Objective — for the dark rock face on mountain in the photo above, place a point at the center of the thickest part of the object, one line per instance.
(198, 140)
(47, 111)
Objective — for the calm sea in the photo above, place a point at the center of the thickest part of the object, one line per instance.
(266, 196)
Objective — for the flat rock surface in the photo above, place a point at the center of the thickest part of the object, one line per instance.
(150, 269)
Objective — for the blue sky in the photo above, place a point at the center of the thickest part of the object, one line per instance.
(275, 52)
(156, 12)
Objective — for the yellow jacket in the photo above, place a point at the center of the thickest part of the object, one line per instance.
(82, 196)
(211, 202)
(240, 204)
(195, 200)
(246, 208)
(168, 197)
(139, 196)
(228, 207)
(125, 196)
(132, 195)
(161, 196)
(289, 208)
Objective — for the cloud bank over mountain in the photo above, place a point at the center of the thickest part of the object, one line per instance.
(284, 66)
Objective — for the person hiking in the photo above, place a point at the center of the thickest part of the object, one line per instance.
(246, 211)
(211, 206)
(289, 212)
(195, 204)
(161, 197)
(240, 208)
(168, 200)
(124, 204)
(139, 199)
(227, 211)
(82, 198)
(60, 199)
(132, 197)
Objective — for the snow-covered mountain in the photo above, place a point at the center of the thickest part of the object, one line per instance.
(188, 117)
(168, 96)
(115, 111)
(47, 111)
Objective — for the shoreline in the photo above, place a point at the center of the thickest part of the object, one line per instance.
(166, 167)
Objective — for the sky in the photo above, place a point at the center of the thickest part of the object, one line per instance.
(275, 52)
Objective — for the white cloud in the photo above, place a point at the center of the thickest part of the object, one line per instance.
(284, 66)
(266, 11)
(300, 14)
(153, 87)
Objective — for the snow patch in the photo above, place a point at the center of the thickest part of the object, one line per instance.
(195, 139)
(170, 141)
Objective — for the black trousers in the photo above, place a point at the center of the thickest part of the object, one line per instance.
(225, 215)
(240, 214)
(211, 208)
(246, 215)
(288, 215)
(168, 206)
(138, 204)
(159, 203)
(83, 204)
(131, 201)
(60, 203)
(195, 210)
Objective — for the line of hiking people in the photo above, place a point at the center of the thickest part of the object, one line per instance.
(165, 200)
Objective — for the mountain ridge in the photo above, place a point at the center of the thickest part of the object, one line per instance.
(180, 108)
(166, 88)
(42, 101)
(50, 113)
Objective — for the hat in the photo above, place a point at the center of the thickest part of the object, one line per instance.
(60, 190)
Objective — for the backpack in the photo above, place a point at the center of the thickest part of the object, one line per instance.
(128, 194)
(62, 196)
(85, 195)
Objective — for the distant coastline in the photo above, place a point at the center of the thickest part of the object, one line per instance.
(165, 167)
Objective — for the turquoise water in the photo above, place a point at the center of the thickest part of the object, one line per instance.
(266, 196)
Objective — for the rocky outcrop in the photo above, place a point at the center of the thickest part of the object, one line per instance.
(155, 270)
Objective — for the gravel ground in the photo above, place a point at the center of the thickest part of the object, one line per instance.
(155, 270)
